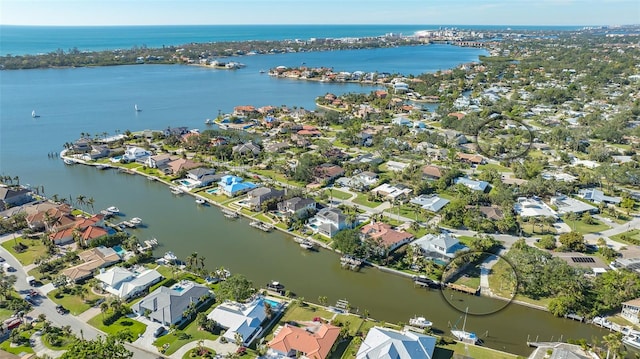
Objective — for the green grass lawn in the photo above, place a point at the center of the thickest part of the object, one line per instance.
(502, 279)
(470, 277)
(124, 323)
(362, 200)
(73, 302)
(493, 166)
(350, 321)
(191, 333)
(336, 193)
(278, 177)
(622, 218)
(527, 228)
(584, 228)
(411, 212)
(35, 249)
(469, 351)
(6, 313)
(297, 313)
(6, 345)
(633, 234)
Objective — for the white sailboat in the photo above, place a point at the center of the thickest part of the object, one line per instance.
(463, 335)
(136, 108)
(33, 114)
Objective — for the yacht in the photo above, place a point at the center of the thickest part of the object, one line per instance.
(113, 209)
(136, 220)
(69, 161)
(200, 201)
(33, 114)
(276, 287)
(170, 257)
(463, 335)
(208, 122)
(420, 322)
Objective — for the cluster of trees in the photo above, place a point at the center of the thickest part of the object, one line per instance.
(540, 275)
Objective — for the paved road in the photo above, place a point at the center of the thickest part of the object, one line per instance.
(46, 306)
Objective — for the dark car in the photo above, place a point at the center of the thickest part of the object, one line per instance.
(62, 310)
(159, 331)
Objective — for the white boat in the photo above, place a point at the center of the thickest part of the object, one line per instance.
(68, 161)
(136, 220)
(113, 209)
(200, 201)
(176, 190)
(208, 122)
(135, 107)
(33, 114)
(463, 335)
(420, 322)
(170, 257)
(632, 340)
(307, 244)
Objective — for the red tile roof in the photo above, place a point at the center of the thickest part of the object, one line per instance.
(313, 345)
(385, 233)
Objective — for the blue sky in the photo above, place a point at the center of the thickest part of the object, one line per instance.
(224, 12)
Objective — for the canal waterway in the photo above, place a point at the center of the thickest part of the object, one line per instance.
(98, 100)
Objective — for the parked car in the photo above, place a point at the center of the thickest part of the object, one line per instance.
(62, 310)
(159, 331)
(1, 259)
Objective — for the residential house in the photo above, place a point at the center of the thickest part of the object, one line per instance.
(431, 172)
(430, 202)
(256, 197)
(181, 164)
(39, 213)
(135, 153)
(202, 176)
(313, 341)
(168, 305)
(297, 207)
(248, 148)
(533, 207)
(565, 204)
(481, 186)
(126, 284)
(597, 196)
(242, 318)
(490, 212)
(276, 147)
(96, 152)
(328, 221)
(159, 161)
(232, 186)
(471, 159)
(402, 121)
(631, 310)
(327, 172)
(85, 232)
(16, 196)
(366, 159)
(390, 343)
(390, 238)
(82, 145)
(443, 245)
(94, 258)
(392, 192)
(396, 166)
(175, 131)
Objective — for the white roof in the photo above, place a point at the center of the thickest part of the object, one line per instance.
(114, 276)
(121, 282)
(239, 318)
(385, 343)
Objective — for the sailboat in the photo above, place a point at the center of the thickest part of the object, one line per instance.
(33, 114)
(463, 335)
(136, 108)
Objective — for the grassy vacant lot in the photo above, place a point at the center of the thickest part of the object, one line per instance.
(178, 338)
(336, 193)
(633, 234)
(584, 228)
(35, 249)
(362, 200)
(124, 323)
(73, 302)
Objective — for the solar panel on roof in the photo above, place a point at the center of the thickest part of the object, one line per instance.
(583, 260)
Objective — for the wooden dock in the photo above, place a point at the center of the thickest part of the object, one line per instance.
(353, 263)
(148, 245)
(463, 288)
(261, 226)
(230, 214)
(423, 281)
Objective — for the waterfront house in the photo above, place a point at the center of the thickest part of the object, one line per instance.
(202, 176)
(392, 192)
(565, 204)
(327, 172)
(232, 186)
(631, 310)
(126, 284)
(256, 197)
(92, 259)
(175, 131)
(314, 341)
(597, 196)
(96, 152)
(248, 148)
(472, 184)
(81, 145)
(430, 202)
(159, 161)
(168, 305)
(383, 233)
(135, 153)
(533, 207)
(390, 343)
(443, 245)
(16, 196)
(181, 164)
(242, 318)
(297, 207)
(242, 111)
(328, 221)
(86, 229)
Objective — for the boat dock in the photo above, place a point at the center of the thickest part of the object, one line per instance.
(261, 226)
(347, 261)
(230, 214)
(423, 281)
(148, 245)
(463, 288)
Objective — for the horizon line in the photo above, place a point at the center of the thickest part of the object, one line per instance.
(327, 24)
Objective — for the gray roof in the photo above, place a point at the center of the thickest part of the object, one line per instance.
(296, 203)
(332, 214)
(167, 304)
(385, 343)
(431, 203)
(201, 171)
(597, 196)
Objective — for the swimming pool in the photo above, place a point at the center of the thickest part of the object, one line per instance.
(118, 250)
(272, 303)
(212, 191)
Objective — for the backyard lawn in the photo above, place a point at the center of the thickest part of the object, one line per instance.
(362, 200)
(35, 249)
(336, 193)
(179, 338)
(469, 351)
(124, 323)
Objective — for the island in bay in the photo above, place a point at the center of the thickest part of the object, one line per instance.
(519, 184)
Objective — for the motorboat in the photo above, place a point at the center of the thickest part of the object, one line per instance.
(463, 335)
(113, 209)
(170, 257)
(33, 114)
(135, 107)
(200, 201)
(632, 340)
(208, 122)
(307, 244)
(135, 220)
(68, 161)
(420, 322)
(176, 190)
(275, 287)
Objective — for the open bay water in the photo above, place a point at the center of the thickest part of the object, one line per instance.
(98, 100)
(21, 40)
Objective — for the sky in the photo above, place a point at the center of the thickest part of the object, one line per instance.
(241, 12)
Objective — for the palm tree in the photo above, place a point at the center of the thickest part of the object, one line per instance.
(192, 259)
(201, 260)
(90, 202)
(268, 310)
(80, 200)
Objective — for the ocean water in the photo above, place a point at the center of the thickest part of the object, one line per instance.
(20, 40)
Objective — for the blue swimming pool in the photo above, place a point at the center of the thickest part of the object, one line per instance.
(272, 303)
(119, 250)
(212, 191)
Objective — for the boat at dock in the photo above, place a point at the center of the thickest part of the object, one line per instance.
(307, 244)
(136, 220)
(200, 201)
(420, 322)
(103, 167)
(149, 244)
(176, 190)
(170, 257)
(230, 214)
(347, 261)
(632, 340)
(276, 287)
(113, 209)
(463, 335)
(261, 226)
(68, 161)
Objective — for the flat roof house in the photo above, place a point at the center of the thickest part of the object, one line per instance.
(126, 284)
